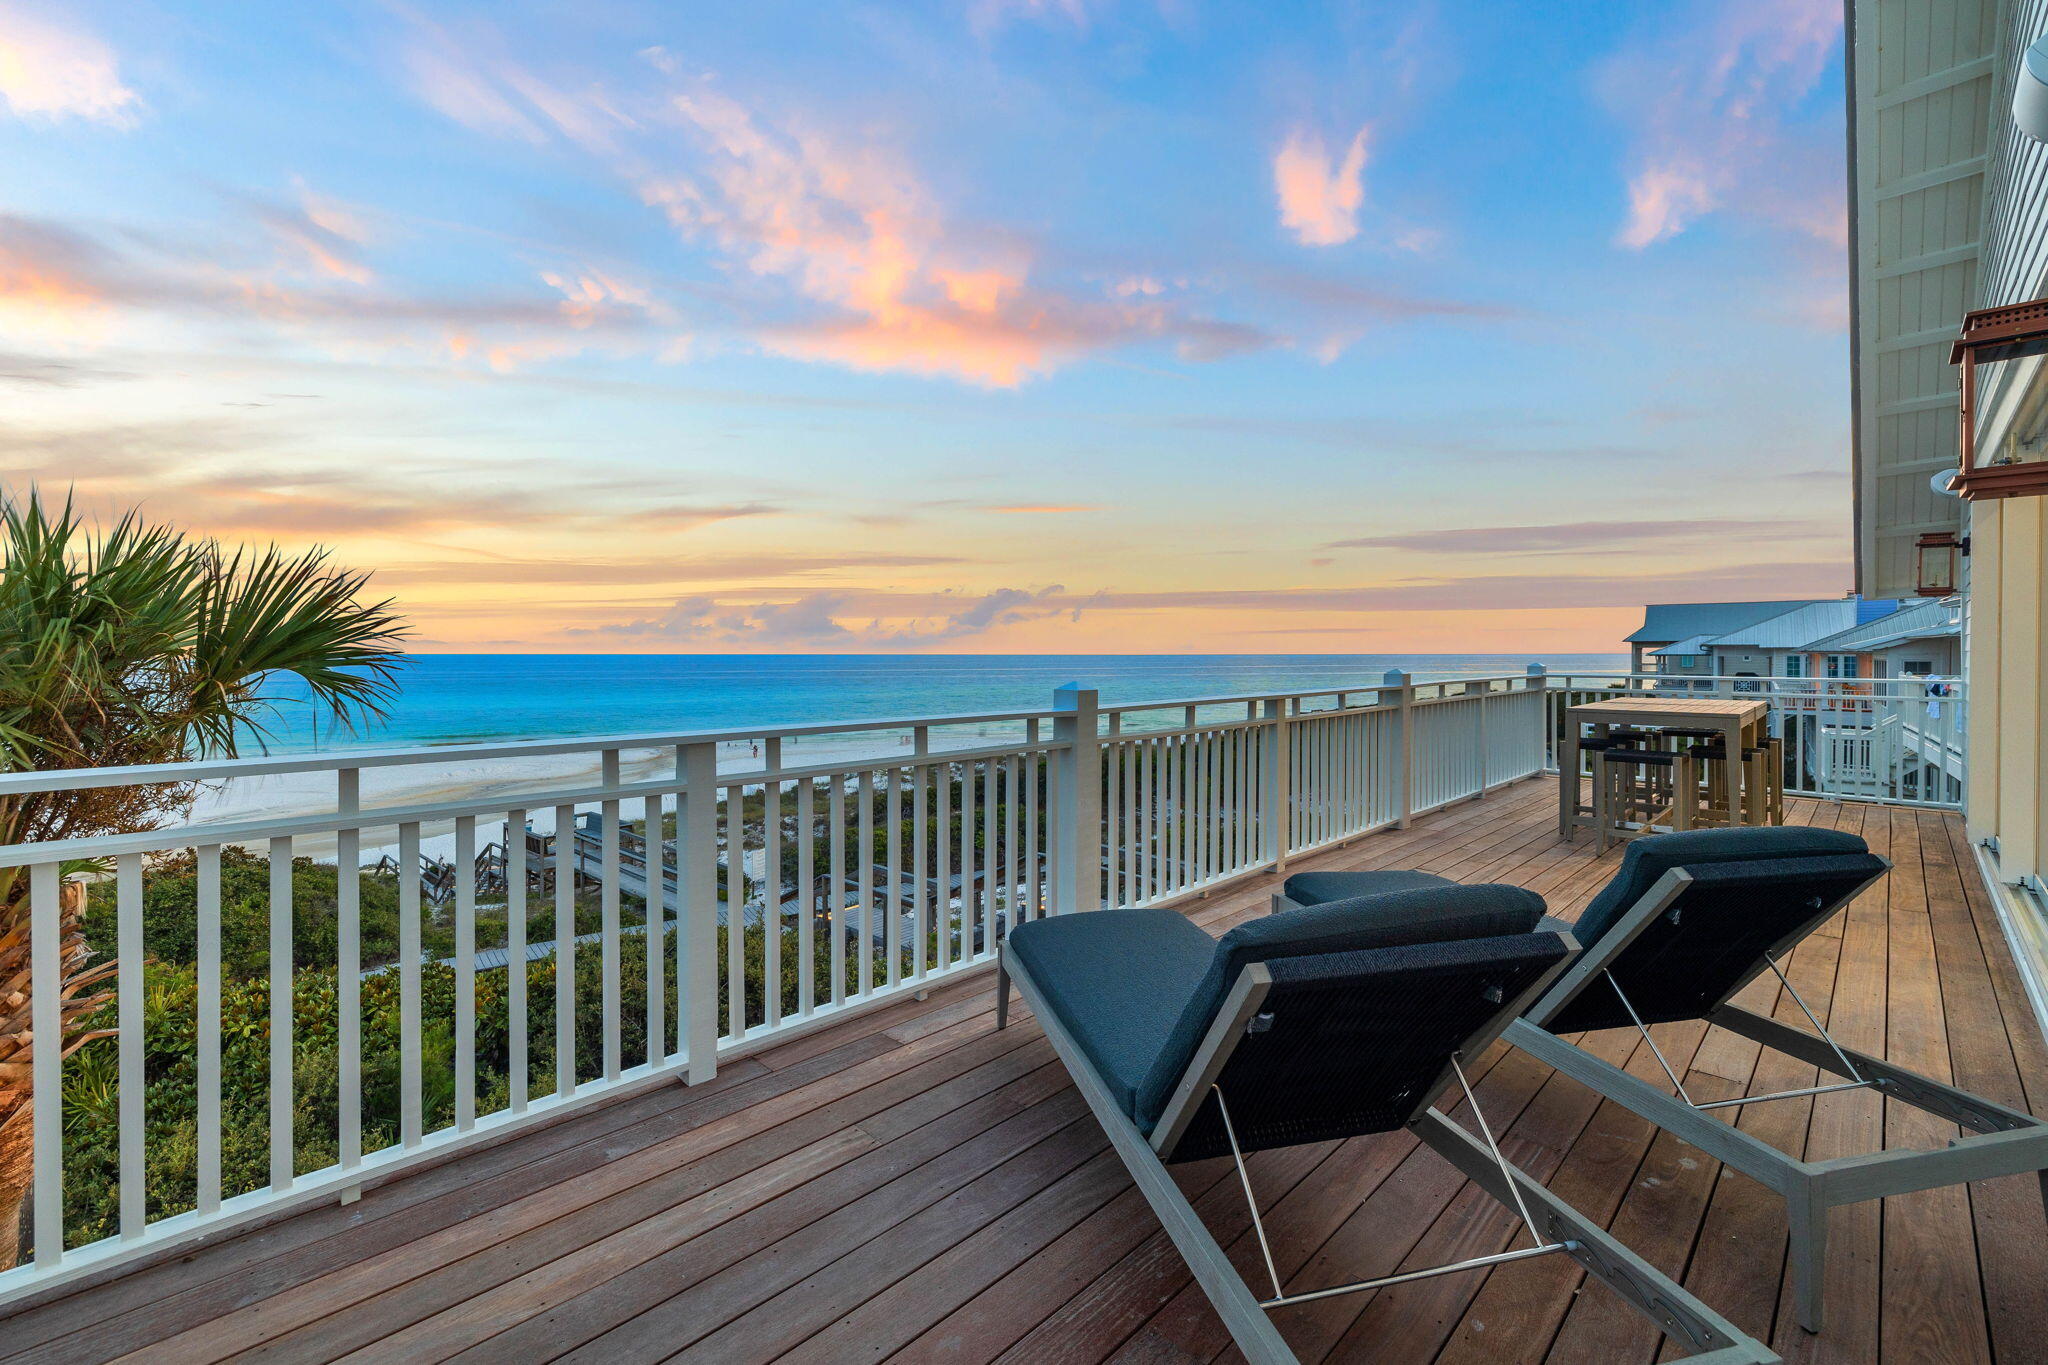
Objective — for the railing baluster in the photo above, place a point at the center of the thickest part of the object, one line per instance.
(1012, 908)
(835, 804)
(1113, 832)
(864, 880)
(771, 899)
(1034, 768)
(409, 1024)
(807, 887)
(608, 921)
(920, 854)
(969, 888)
(129, 953)
(465, 973)
(565, 952)
(733, 823)
(697, 901)
(207, 1103)
(942, 837)
(892, 867)
(515, 959)
(46, 1058)
(281, 1014)
(654, 928)
(348, 988)
(991, 854)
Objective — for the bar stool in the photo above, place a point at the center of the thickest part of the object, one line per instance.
(1592, 747)
(1763, 796)
(1633, 785)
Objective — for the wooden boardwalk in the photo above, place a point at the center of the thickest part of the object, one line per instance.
(914, 1186)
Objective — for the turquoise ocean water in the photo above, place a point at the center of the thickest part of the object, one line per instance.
(474, 698)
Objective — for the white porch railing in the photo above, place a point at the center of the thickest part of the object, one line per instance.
(840, 866)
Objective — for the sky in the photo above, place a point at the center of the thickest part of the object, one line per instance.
(968, 326)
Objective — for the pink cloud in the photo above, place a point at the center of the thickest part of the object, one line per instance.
(1319, 202)
(1712, 104)
(50, 68)
(854, 231)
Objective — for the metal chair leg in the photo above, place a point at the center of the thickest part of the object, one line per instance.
(1002, 995)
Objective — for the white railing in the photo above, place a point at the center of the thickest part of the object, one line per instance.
(825, 869)
(1897, 740)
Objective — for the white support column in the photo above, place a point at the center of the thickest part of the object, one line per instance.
(1276, 784)
(697, 907)
(1403, 689)
(1077, 861)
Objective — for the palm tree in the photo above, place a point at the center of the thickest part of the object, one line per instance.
(129, 645)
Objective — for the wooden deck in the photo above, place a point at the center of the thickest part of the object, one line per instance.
(914, 1186)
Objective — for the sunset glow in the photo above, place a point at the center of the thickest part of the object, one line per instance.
(1092, 325)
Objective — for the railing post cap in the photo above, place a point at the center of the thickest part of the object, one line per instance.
(1537, 670)
(1396, 678)
(1067, 696)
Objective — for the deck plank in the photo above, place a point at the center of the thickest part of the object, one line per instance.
(914, 1186)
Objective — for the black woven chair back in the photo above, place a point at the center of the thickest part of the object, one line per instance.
(1361, 1042)
(1711, 941)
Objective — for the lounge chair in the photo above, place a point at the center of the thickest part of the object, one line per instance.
(1346, 1019)
(1688, 921)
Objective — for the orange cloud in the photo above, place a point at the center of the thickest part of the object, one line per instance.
(52, 70)
(1319, 202)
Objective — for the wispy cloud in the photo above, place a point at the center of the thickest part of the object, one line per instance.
(58, 278)
(828, 618)
(1320, 197)
(599, 571)
(322, 232)
(1566, 537)
(878, 275)
(1712, 99)
(50, 68)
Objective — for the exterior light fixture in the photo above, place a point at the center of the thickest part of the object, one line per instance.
(2030, 92)
(2012, 331)
(1938, 563)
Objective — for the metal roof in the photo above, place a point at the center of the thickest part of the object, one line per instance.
(1793, 629)
(1924, 620)
(1691, 644)
(1667, 621)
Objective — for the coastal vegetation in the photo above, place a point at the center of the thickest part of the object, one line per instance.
(136, 644)
(170, 1020)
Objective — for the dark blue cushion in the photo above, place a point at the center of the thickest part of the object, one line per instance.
(1430, 914)
(1650, 858)
(1119, 980)
(1316, 888)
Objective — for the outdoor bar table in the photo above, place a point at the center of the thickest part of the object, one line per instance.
(1737, 719)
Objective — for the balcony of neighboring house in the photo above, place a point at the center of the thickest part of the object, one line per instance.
(812, 1143)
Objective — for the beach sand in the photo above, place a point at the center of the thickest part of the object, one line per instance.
(526, 783)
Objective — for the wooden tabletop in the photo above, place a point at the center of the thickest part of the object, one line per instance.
(1678, 708)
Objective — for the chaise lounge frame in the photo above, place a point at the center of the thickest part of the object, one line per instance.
(1999, 1140)
(1556, 1225)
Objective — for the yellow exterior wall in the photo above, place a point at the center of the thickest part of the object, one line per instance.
(2008, 760)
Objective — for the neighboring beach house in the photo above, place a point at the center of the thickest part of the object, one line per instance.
(1923, 639)
(1673, 636)
(1849, 637)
